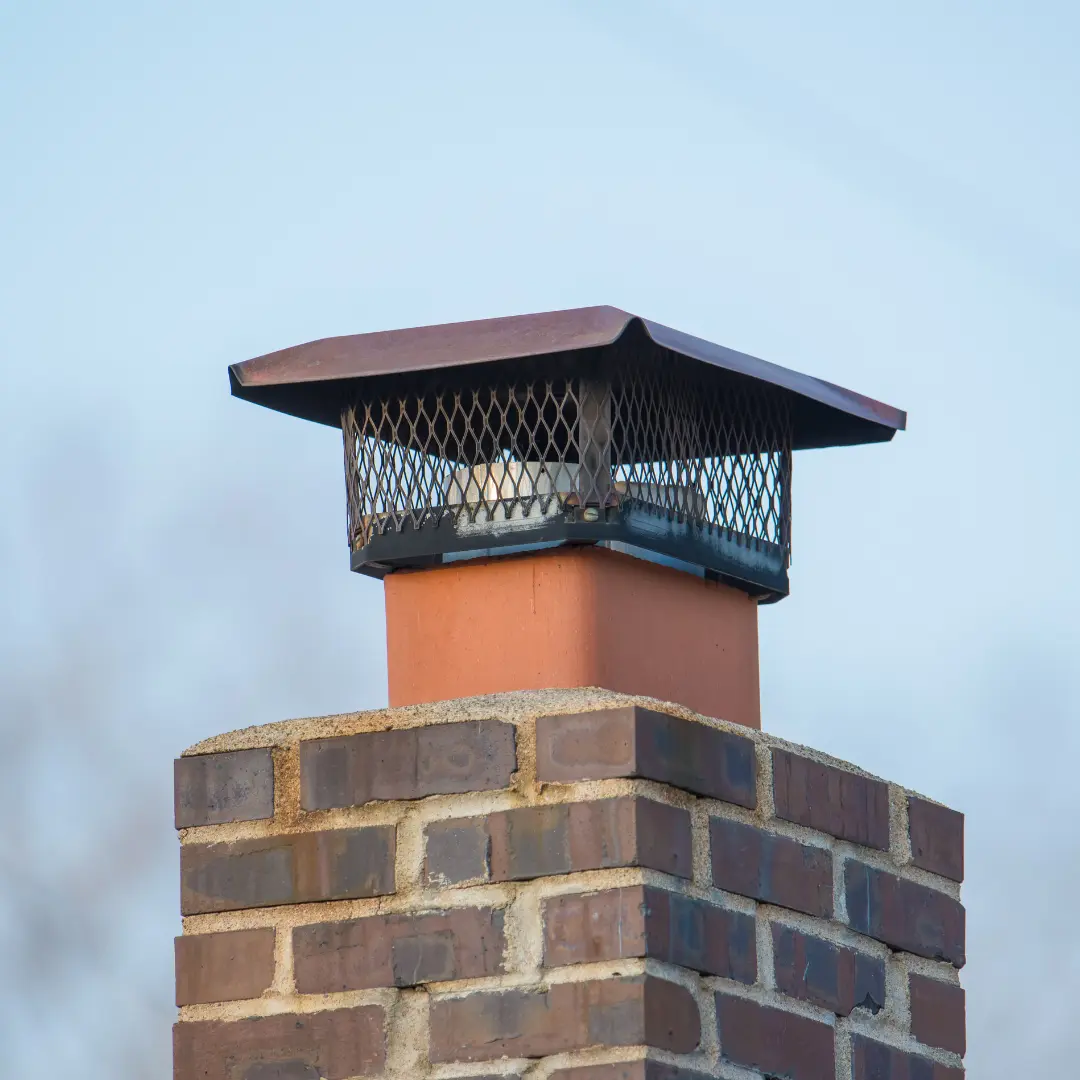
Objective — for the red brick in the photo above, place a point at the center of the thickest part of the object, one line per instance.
(903, 914)
(539, 841)
(938, 1013)
(937, 838)
(336, 864)
(212, 789)
(832, 976)
(568, 1016)
(876, 1061)
(398, 950)
(629, 1070)
(632, 741)
(229, 966)
(777, 1043)
(643, 921)
(772, 868)
(456, 851)
(441, 759)
(840, 803)
(334, 1045)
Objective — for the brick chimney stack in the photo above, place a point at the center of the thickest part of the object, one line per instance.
(567, 850)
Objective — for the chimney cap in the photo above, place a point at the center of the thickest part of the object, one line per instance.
(316, 381)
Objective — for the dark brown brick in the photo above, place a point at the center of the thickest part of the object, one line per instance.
(229, 966)
(281, 1070)
(568, 1016)
(643, 921)
(538, 841)
(903, 914)
(938, 1013)
(876, 1061)
(398, 950)
(829, 975)
(456, 850)
(441, 759)
(760, 864)
(632, 741)
(841, 803)
(937, 838)
(336, 864)
(777, 1043)
(211, 789)
(628, 1070)
(333, 1045)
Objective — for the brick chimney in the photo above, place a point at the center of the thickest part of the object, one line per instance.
(567, 850)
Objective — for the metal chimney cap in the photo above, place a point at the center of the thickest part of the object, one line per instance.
(317, 381)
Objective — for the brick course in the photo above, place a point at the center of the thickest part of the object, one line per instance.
(398, 950)
(630, 1070)
(904, 914)
(214, 789)
(338, 864)
(872, 1060)
(441, 759)
(842, 804)
(228, 966)
(567, 1016)
(633, 741)
(643, 921)
(336, 1044)
(543, 840)
(938, 1013)
(937, 838)
(762, 865)
(775, 1042)
(829, 975)
(457, 851)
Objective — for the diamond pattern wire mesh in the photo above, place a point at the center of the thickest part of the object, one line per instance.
(674, 440)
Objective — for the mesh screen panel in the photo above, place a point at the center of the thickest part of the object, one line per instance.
(465, 452)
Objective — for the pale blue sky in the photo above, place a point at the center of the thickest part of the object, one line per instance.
(884, 198)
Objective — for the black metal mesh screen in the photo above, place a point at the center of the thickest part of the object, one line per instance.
(672, 440)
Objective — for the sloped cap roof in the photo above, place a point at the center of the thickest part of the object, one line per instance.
(315, 381)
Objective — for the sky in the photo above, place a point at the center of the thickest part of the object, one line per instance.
(885, 198)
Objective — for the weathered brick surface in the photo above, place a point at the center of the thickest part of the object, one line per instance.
(629, 1070)
(398, 950)
(938, 1013)
(538, 841)
(228, 966)
(418, 945)
(937, 838)
(777, 1043)
(338, 864)
(212, 789)
(840, 803)
(829, 975)
(874, 1061)
(904, 914)
(643, 921)
(456, 850)
(633, 741)
(760, 864)
(568, 1016)
(441, 759)
(333, 1045)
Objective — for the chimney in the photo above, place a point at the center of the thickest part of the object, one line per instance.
(566, 850)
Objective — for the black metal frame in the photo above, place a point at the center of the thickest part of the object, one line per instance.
(757, 567)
